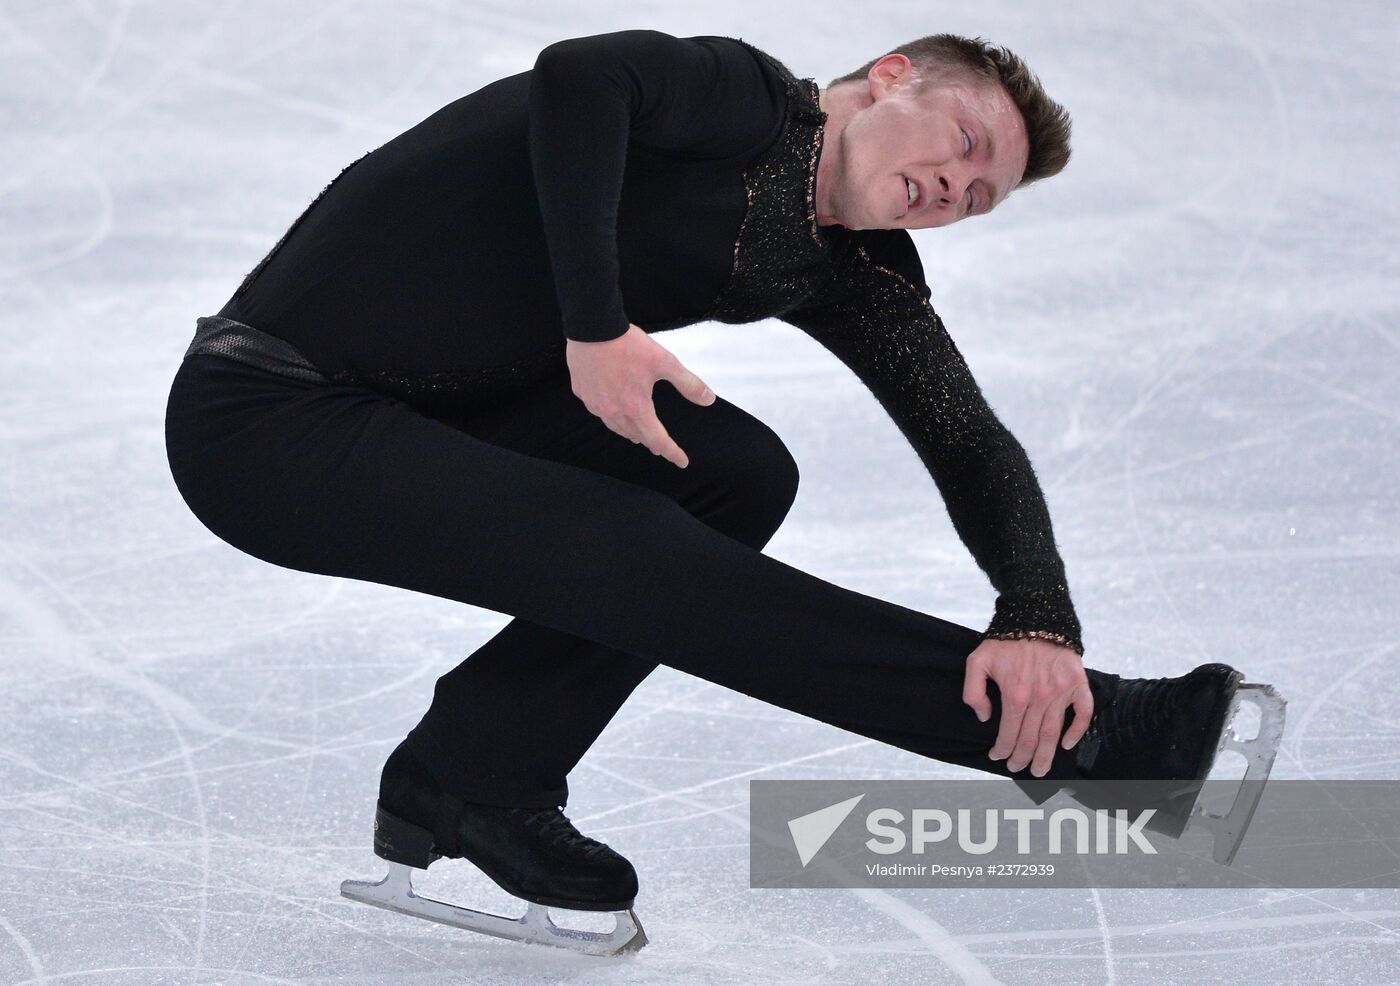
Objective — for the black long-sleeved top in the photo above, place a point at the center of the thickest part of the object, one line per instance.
(639, 177)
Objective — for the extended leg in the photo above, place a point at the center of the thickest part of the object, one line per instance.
(344, 482)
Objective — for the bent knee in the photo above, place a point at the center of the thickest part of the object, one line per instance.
(749, 473)
(770, 472)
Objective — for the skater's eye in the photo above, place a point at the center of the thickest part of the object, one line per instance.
(967, 140)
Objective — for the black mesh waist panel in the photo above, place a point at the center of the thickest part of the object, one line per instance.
(218, 336)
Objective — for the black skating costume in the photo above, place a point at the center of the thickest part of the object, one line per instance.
(385, 398)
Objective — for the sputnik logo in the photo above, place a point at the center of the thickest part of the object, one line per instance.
(811, 831)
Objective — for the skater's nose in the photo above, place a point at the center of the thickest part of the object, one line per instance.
(951, 186)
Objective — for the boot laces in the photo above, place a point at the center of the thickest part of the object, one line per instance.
(552, 825)
(1140, 710)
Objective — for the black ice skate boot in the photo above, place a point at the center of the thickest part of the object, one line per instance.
(1151, 743)
(535, 854)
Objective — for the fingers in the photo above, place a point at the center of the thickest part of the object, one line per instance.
(640, 431)
(1048, 738)
(1027, 739)
(1037, 743)
(1038, 712)
(692, 388)
(1015, 699)
(616, 385)
(1037, 686)
(655, 437)
(1083, 709)
(975, 689)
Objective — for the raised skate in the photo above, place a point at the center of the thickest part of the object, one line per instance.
(1166, 733)
(1259, 752)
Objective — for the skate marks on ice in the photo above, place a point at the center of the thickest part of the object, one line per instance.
(942, 946)
(74, 805)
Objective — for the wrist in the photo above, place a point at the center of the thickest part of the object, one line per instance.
(1064, 640)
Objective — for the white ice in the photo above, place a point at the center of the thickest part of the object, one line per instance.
(1193, 331)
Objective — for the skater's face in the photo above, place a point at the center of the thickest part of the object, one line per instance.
(964, 145)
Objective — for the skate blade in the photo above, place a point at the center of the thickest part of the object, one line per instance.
(395, 893)
(1228, 829)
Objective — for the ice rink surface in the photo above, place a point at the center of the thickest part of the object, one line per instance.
(1193, 331)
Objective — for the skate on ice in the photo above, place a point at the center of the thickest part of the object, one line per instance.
(533, 854)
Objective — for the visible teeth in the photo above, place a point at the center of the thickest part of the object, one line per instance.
(913, 190)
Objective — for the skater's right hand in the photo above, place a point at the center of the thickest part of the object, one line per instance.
(615, 378)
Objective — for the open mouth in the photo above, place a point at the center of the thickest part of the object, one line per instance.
(912, 187)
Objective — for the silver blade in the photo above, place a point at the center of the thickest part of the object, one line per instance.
(395, 893)
(1259, 752)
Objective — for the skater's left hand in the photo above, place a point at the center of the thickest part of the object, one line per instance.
(1038, 681)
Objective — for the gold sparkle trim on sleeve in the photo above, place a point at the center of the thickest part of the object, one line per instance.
(883, 327)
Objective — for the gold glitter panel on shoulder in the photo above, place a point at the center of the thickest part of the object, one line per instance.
(880, 325)
(781, 255)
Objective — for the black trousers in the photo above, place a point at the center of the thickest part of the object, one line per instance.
(611, 559)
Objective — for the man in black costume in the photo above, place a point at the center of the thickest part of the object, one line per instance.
(443, 378)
